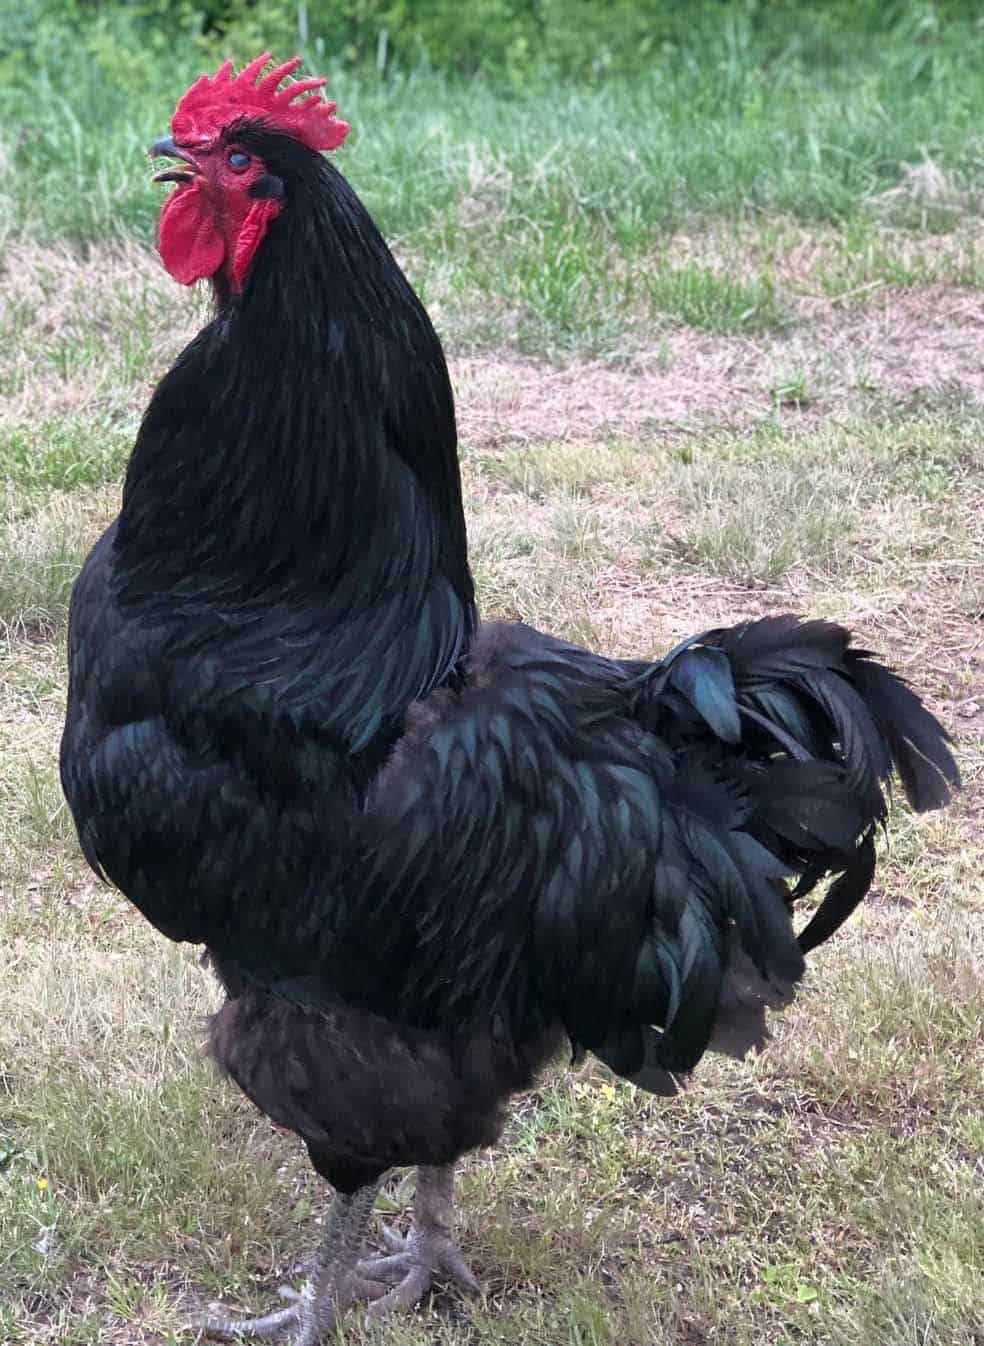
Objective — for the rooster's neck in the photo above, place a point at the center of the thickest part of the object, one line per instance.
(302, 449)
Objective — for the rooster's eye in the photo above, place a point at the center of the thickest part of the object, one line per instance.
(237, 161)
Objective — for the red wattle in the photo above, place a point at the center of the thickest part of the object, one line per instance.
(190, 245)
(252, 231)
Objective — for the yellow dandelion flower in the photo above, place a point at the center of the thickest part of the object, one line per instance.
(42, 1184)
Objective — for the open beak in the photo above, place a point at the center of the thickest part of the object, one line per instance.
(166, 148)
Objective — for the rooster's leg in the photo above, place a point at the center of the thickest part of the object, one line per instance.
(336, 1281)
(426, 1255)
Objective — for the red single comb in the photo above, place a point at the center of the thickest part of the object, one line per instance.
(213, 102)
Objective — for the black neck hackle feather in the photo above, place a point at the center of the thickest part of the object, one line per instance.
(304, 443)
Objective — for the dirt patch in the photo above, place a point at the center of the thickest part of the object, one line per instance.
(922, 344)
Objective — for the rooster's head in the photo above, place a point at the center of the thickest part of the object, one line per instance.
(227, 193)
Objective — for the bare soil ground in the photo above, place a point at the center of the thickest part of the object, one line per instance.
(926, 343)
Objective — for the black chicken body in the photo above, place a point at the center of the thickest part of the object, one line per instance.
(424, 854)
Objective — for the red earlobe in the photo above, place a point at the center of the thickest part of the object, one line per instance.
(251, 234)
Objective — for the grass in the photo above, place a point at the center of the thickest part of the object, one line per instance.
(878, 494)
(724, 129)
(63, 455)
(717, 353)
(42, 552)
(511, 202)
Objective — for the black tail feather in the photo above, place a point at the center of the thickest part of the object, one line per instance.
(778, 740)
(918, 743)
(823, 725)
(842, 896)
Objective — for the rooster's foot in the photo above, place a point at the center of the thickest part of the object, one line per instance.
(424, 1260)
(307, 1320)
(336, 1283)
(427, 1255)
(263, 1328)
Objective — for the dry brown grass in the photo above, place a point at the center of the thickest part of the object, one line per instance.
(86, 333)
(925, 343)
(819, 267)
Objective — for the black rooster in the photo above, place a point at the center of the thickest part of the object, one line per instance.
(423, 854)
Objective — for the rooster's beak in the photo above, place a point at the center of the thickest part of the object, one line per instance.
(166, 148)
